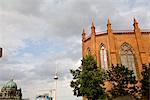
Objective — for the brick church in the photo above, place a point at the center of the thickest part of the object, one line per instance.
(128, 47)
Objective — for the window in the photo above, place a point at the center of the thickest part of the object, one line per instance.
(127, 57)
(103, 57)
(88, 51)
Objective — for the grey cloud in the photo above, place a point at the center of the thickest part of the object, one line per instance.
(60, 22)
(63, 20)
(66, 18)
(46, 71)
(6, 73)
(64, 62)
(30, 7)
(6, 60)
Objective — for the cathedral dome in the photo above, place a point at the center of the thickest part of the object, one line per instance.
(10, 84)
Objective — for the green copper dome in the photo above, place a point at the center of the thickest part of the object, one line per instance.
(10, 84)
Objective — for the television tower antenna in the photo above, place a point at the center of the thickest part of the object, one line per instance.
(56, 78)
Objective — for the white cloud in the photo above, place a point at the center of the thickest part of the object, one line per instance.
(25, 23)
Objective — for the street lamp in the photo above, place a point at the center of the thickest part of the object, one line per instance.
(55, 78)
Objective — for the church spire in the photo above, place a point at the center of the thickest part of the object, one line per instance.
(108, 21)
(136, 26)
(93, 23)
(135, 21)
(93, 38)
(92, 26)
(83, 30)
(83, 34)
(108, 25)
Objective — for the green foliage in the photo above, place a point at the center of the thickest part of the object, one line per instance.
(75, 83)
(87, 79)
(120, 76)
(146, 80)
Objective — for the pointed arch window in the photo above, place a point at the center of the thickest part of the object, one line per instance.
(127, 57)
(88, 51)
(103, 57)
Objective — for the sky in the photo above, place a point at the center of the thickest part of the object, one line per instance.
(39, 37)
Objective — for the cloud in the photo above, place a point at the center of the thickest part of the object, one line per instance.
(38, 35)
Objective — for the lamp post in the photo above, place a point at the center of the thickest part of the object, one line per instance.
(55, 78)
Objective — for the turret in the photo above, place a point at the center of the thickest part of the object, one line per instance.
(140, 45)
(92, 27)
(83, 41)
(111, 48)
(83, 35)
(93, 40)
(137, 34)
(108, 25)
(136, 26)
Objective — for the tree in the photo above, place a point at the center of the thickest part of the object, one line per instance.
(87, 80)
(120, 77)
(146, 81)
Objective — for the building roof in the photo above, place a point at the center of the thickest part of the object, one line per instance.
(10, 84)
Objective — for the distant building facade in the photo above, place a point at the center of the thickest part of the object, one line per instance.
(128, 47)
(10, 92)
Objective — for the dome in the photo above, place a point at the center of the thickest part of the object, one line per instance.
(10, 84)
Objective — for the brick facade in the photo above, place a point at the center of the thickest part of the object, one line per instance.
(137, 39)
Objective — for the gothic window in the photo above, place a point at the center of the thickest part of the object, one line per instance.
(88, 51)
(103, 57)
(127, 57)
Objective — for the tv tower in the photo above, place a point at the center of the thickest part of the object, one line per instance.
(55, 78)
